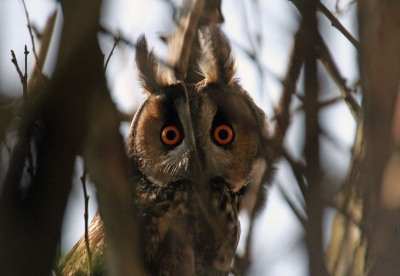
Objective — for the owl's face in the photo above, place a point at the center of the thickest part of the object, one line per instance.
(227, 128)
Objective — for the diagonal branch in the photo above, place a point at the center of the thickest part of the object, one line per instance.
(295, 64)
(292, 206)
(329, 64)
(116, 40)
(336, 23)
(327, 60)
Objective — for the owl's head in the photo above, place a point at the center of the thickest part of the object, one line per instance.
(229, 129)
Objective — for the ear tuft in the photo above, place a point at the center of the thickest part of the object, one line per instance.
(151, 74)
(217, 62)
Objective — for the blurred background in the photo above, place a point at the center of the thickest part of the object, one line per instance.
(261, 33)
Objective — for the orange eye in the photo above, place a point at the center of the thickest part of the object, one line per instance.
(223, 134)
(170, 135)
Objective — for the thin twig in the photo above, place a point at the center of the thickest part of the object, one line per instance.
(86, 215)
(180, 68)
(181, 65)
(251, 56)
(329, 64)
(116, 40)
(298, 170)
(33, 41)
(120, 36)
(24, 78)
(132, 45)
(336, 23)
(326, 58)
(255, 45)
(295, 210)
(321, 105)
(31, 168)
(36, 79)
(15, 62)
(292, 75)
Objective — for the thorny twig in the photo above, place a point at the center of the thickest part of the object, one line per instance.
(116, 40)
(86, 215)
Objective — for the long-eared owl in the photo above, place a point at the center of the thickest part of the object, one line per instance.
(196, 146)
(195, 149)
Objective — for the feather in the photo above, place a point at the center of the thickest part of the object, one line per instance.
(217, 62)
(152, 76)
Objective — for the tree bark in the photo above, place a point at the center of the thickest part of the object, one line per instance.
(366, 229)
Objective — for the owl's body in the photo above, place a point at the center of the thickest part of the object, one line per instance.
(193, 149)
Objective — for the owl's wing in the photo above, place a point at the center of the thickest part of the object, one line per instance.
(77, 261)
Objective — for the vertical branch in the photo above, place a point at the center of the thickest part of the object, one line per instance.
(26, 139)
(311, 150)
(25, 78)
(379, 59)
(31, 169)
(86, 216)
(189, 34)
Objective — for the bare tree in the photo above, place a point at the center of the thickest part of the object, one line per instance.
(71, 114)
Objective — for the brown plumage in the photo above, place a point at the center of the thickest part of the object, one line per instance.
(190, 190)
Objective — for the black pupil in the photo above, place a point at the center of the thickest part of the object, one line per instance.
(223, 134)
(171, 134)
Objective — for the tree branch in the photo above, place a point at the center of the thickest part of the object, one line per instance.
(336, 23)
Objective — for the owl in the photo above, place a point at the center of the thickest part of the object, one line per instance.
(195, 148)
